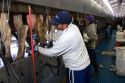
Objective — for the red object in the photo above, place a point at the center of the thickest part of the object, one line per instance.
(29, 19)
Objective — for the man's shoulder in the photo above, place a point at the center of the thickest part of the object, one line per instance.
(73, 25)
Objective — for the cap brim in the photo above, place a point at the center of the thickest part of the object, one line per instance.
(53, 21)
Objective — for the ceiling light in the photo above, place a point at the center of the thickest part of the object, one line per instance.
(96, 3)
(106, 2)
(123, 3)
(111, 2)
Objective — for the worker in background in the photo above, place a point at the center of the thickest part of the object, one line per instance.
(90, 30)
(72, 48)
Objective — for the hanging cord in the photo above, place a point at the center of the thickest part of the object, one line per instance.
(46, 11)
(32, 48)
(44, 19)
(3, 6)
(50, 66)
(8, 10)
(46, 15)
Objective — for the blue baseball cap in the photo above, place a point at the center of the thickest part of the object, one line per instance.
(90, 18)
(62, 17)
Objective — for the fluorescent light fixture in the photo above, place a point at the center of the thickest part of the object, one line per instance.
(96, 4)
(116, 4)
(123, 3)
(111, 2)
(106, 2)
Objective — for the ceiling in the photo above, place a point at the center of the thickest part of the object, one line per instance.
(118, 6)
(113, 7)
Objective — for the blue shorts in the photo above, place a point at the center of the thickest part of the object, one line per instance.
(82, 76)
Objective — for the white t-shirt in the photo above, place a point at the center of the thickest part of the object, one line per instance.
(72, 48)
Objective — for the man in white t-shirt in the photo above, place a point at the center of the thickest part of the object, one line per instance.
(71, 47)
